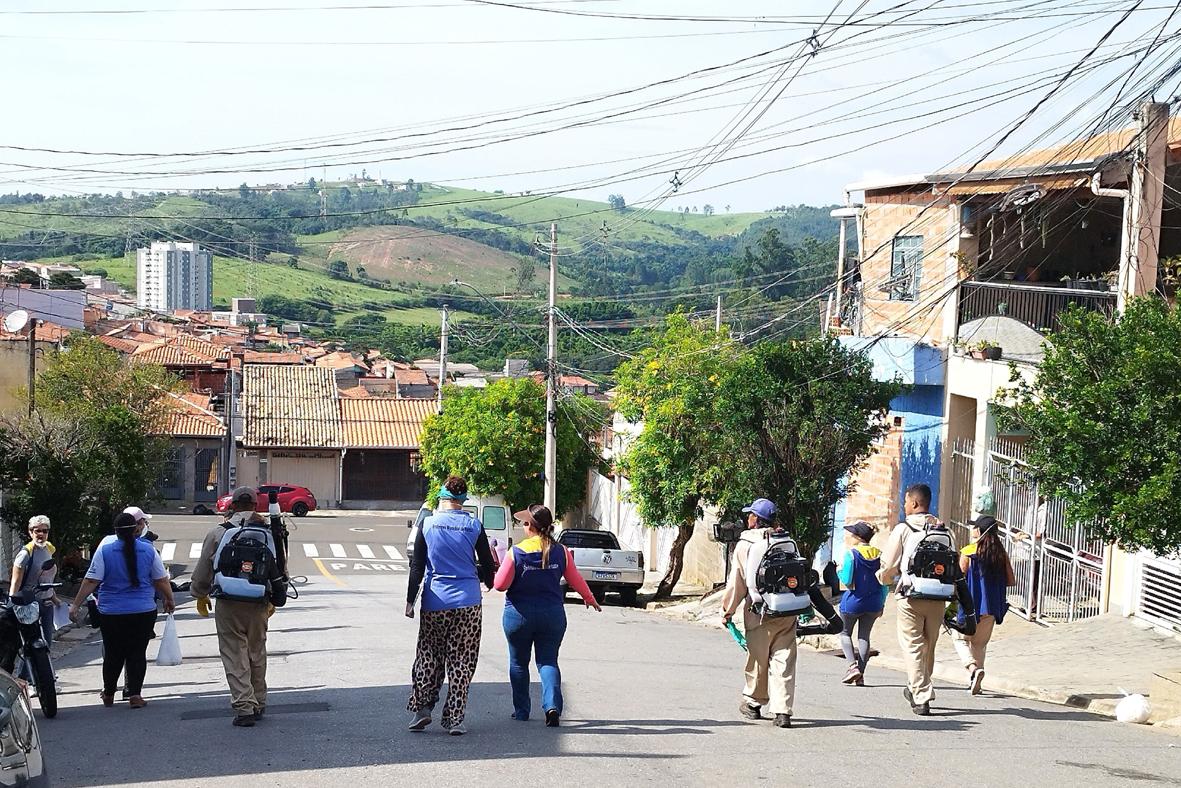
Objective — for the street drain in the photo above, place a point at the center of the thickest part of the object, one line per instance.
(277, 708)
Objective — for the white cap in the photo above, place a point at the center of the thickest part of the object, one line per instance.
(137, 513)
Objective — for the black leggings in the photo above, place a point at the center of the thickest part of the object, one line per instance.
(125, 645)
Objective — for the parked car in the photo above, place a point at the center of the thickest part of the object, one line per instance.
(492, 511)
(292, 498)
(21, 759)
(604, 564)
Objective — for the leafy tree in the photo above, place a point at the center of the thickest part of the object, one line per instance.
(98, 272)
(311, 184)
(495, 438)
(681, 458)
(63, 280)
(1105, 423)
(25, 276)
(617, 202)
(244, 191)
(88, 450)
(293, 262)
(800, 416)
(708, 210)
(339, 269)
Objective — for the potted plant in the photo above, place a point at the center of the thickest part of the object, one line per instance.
(986, 350)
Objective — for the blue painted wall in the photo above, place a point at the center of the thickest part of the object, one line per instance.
(921, 410)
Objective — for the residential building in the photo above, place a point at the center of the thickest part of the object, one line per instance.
(66, 308)
(172, 275)
(192, 475)
(380, 463)
(243, 312)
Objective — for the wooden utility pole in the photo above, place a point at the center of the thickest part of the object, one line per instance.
(551, 381)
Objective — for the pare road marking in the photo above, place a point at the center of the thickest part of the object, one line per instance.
(366, 566)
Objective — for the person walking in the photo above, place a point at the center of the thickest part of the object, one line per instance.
(535, 612)
(241, 624)
(919, 620)
(128, 574)
(27, 573)
(770, 640)
(985, 565)
(863, 602)
(451, 558)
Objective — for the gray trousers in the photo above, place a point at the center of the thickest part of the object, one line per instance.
(864, 622)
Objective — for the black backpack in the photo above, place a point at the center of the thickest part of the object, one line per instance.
(934, 566)
(245, 564)
(781, 579)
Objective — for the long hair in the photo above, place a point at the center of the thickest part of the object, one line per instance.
(125, 530)
(543, 521)
(990, 552)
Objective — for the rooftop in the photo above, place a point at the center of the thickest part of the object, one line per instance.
(290, 406)
(384, 423)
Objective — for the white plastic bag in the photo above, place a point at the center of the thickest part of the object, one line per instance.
(1133, 708)
(61, 615)
(169, 653)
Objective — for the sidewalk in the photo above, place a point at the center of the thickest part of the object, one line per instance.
(1085, 664)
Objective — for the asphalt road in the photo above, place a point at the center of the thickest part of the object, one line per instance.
(649, 701)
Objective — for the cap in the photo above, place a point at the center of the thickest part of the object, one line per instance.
(861, 529)
(137, 513)
(984, 522)
(763, 508)
(450, 496)
(244, 494)
(540, 519)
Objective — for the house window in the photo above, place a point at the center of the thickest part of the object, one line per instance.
(906, 266)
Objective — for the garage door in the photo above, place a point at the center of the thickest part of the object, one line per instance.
(1160, 592)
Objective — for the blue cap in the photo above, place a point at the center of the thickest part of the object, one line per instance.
(763, 508)
(445, 493)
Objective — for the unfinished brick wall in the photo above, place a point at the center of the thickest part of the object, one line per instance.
(875, 497)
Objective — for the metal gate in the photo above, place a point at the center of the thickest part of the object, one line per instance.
(1058, 567)
(957, 507)
(1160, 592)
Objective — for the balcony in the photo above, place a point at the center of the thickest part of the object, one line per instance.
(1036, 305)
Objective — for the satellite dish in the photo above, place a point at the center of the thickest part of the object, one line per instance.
(15, 321)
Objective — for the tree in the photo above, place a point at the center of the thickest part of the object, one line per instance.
(25, 276)
(1105, 422)
(617, 202)
(801, 417)
(293, 262)
(63, 280)
(708, 210)
(98, 272)
(339, 269)
(495, 438)
(244, 191)
(88, 449)
(311, 184)
(680, 459)
(526, 271)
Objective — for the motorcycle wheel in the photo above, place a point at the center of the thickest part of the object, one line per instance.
(43, 677)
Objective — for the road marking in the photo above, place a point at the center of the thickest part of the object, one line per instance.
(392, 552)
(365, 551)
(337, 550)
(320, 565)
(310, 550)
(195, 550)
(357, 566)
(168, 552)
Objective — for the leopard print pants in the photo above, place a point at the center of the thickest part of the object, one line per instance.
(448, 642)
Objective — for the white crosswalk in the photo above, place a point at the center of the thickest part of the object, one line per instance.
(172, 551)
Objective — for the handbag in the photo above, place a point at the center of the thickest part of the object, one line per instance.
(169, 653)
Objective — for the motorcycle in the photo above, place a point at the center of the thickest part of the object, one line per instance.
(21, 637)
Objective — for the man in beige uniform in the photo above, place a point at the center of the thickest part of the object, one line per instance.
(241, 626)
(771, 640)
(919, 620)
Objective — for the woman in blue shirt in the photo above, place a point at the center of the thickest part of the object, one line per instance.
(985, 564)
(863, 602)
(446, 551)
(128, 572)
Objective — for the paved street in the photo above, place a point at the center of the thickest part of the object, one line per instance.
(650, 700)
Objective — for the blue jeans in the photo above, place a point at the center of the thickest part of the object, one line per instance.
(538, 629)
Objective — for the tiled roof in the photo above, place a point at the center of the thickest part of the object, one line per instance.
(290, 406)
(339, 360)
(45, 332)
(382, 423)
(356, 392)
(189, 416)
(411, 377)
(257, 357)
(576, 380)
(119, 344)
(182, 350)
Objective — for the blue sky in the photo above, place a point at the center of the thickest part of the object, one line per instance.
(181, 79)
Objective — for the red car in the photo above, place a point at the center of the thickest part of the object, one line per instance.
(292, 498)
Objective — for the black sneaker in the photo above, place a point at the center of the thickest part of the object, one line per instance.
(259, 713)
(552, 718)
(782, 720)
(923, 709)
(749, 711)
(244, 721)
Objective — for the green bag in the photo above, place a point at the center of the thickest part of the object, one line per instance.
(736, 633)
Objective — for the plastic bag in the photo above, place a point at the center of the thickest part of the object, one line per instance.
(737, 634)
(1133, 708)
(61, 615)
(169, 653)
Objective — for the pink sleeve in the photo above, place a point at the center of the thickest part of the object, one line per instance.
(575, 581)
(504, 575)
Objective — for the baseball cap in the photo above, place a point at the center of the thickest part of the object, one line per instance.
(763, 508)
(243, 494)
(861, 529)
(542, 518)
(137, 513)
(983, 522)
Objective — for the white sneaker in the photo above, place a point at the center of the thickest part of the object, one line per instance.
(457, 730)
(420, 721)
(977, 680)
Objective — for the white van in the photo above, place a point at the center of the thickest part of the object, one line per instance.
(503, 532)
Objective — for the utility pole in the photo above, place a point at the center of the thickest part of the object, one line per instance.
(442, 357)
(840, 214)
(551, 380)
(32, 362)
(1146, 195)
(718, 317)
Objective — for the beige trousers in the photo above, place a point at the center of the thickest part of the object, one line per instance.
(242, 642)
(771, 663)
(972, 649)
(919, 622)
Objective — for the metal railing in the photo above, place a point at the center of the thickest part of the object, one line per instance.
(1038, 306)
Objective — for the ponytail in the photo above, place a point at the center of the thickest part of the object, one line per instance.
(543, 522)
(125, 526)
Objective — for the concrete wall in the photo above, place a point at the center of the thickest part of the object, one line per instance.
(316, 469)
(14, 372)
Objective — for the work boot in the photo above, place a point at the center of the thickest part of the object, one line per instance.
(782, 720)
(750, 711)
(244, 721)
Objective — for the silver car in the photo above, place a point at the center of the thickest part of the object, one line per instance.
(21, 761)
